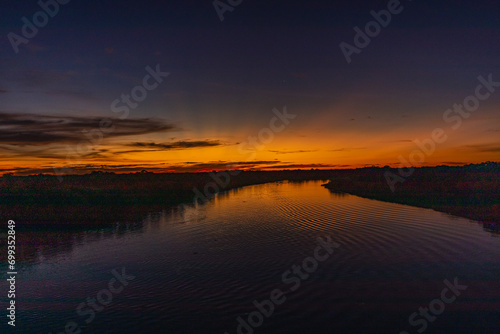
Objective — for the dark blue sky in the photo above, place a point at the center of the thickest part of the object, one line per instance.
(226, 77)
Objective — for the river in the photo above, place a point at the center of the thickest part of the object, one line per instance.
(275, 258)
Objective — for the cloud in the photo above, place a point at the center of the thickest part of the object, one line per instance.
(484, 148)
(15, 169)
(178, 145)
(185, 167)
(305, 166)
(38, 130)
(52, 153)
(343, 149)
(221, 165)
(291, 152)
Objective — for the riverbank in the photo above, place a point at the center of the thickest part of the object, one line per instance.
(471, 191)
(107, 198)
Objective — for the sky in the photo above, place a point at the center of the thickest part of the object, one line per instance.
(167, 86)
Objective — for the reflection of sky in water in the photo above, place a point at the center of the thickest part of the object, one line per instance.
(199, 268)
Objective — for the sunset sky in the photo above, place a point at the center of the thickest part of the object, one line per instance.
(58, 92)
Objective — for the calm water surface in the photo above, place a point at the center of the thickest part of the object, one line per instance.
(197, 270)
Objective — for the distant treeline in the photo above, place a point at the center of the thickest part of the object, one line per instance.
(471, 191)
